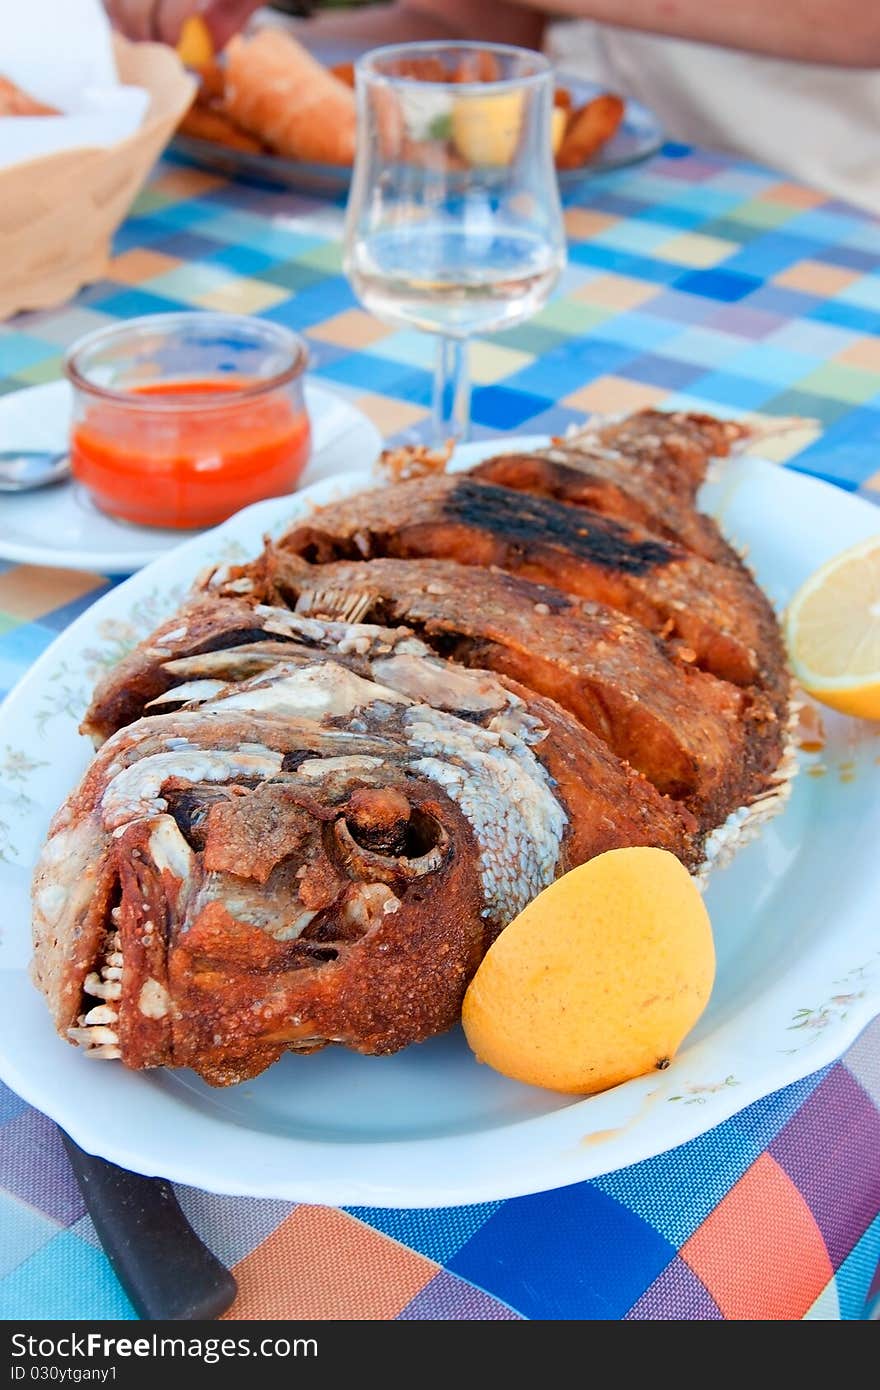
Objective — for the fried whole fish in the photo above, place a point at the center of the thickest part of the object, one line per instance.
(313, 856)
(322, 788)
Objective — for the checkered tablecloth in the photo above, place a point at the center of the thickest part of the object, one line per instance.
(695, 282)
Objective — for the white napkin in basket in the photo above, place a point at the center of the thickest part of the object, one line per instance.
(60, 52)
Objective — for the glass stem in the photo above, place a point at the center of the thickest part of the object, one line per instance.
(452, 392)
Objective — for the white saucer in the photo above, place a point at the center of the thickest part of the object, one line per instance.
(60, 526)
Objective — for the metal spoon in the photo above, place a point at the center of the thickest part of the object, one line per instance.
(22, 469)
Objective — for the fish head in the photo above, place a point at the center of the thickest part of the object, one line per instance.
(269, 884)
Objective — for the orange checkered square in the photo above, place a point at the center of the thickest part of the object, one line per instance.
(760, 1253)
(815, 277)
(608, 394)
(322, 1263)
(136, 266)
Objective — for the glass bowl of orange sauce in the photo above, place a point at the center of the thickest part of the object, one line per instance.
(181, 419)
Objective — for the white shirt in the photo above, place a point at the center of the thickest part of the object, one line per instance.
(819, 125)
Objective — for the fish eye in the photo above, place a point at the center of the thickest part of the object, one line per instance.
(391, 843)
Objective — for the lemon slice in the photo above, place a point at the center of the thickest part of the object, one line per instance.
(195, 47)
(832, 629)
(485, 129)
(558, 122)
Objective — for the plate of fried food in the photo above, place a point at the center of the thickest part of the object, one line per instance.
(271, 110)
(513, 742)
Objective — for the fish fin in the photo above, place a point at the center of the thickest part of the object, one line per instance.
(413, 461)
(337, 605)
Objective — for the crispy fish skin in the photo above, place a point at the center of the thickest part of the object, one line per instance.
(608, 483)
(715, 611)
(200, 625)
(609, 805)
(208, 623)
(646, 469)
(675, 445)
(606, 802)
(682, 728)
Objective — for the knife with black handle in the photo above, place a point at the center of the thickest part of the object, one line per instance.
(168, 1273)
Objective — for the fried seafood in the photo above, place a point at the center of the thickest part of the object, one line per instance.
(310, 856)
(327, 782)
(284, 97)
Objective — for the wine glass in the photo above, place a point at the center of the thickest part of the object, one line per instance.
(453, 223)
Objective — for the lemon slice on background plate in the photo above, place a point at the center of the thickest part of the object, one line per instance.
(486, 129)
(832, 630)
(195, 47)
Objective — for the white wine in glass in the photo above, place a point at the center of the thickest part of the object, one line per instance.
(454, 224)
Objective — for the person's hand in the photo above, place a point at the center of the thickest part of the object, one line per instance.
(163, 19)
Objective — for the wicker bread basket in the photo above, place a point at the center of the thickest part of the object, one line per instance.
(58, 213)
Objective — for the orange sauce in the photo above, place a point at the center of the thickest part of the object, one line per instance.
(810, 731)
(190, 467)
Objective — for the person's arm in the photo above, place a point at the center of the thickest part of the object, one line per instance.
(487, 21)
(841, 32)
(495, 21)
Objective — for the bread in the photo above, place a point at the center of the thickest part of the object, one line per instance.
(276, 90)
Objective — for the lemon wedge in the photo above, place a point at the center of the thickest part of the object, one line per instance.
(599, 979)
(832, 630)
(485, 130)
(195, 47)
(558, 122)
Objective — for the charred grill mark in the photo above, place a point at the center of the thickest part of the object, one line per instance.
(617, 487)
(524, 521)
(712, 609)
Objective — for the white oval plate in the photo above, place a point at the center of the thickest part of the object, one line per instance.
(62, 526)
(795, 918)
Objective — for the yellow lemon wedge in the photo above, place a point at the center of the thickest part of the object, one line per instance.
(195, 47)
(599, 979)
(485, 129)
(832, 631)
(558, 122)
